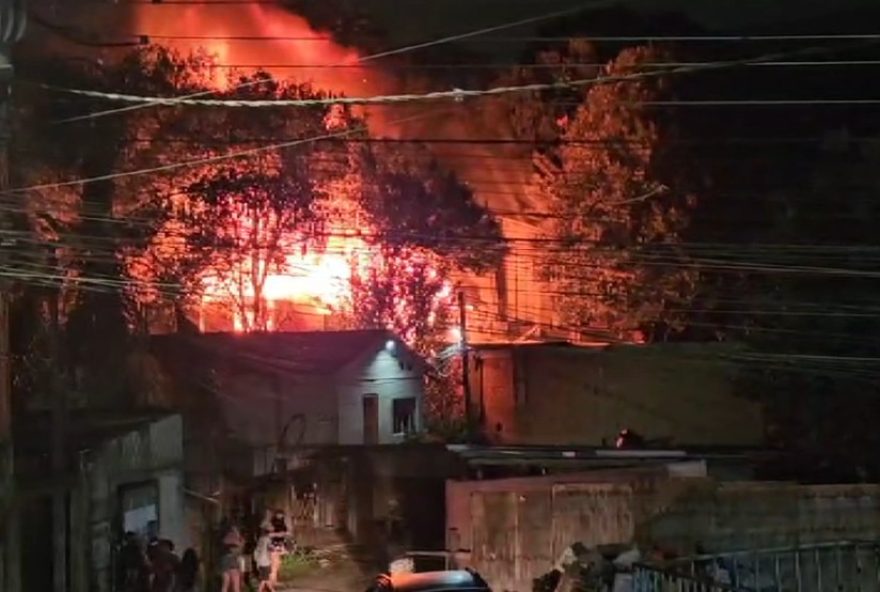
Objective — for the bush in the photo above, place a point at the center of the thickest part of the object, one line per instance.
(294, 565)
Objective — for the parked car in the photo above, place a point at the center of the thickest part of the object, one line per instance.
(463, 580)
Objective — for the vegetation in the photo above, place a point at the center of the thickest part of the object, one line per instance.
(223, 227)
(662, 220)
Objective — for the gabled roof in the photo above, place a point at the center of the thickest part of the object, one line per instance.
(306, 352)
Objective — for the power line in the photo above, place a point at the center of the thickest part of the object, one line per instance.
(459, 95)
(69, 35)
(197, 2)
(376, 56)
(698, 38)
(267, 38)
(205, 160)
(616, 141)
(275, 146)
(536, 38)
(515, 66)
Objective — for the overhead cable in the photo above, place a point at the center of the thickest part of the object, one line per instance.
(382, 54)
(461, 94)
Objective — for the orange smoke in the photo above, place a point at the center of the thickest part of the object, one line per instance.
(260, 36)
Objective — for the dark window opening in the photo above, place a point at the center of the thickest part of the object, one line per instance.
(403, 412)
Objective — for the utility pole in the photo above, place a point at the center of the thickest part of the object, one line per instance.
(12, 27)
(57, 452)
(465, 362)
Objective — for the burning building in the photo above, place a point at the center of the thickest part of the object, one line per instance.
(310, 290)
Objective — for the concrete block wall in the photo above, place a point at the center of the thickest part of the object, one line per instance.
(516, 534)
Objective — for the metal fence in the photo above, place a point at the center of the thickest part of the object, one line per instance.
(654, 579)
(825, 567)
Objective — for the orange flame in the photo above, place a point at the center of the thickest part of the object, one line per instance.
(262, 36)
(269, 38)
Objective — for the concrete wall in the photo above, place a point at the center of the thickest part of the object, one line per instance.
(516, 532)
(151, 454)
(459, 494)
(257, 406)
(362, 489)
(581, 396)
(388, 375)
(318, 409)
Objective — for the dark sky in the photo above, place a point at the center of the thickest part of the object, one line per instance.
(408, 20)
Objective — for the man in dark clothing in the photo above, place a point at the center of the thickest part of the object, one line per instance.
(164, 567)
(133, 573)
(188, 571)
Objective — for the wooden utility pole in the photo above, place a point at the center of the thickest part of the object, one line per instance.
(9, 538)
(465, 362)
(12, 27)
(57, 452)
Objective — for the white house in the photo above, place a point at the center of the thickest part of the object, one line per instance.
(289, 389)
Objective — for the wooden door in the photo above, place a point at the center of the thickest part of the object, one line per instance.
(371, 419)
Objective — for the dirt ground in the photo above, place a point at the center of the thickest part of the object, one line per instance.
(340, 570)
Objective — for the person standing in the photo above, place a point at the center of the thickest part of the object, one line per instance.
(263, 561)
(188, 571)
(278, 527)
(230, 560)
(164, 567)
(134, 573)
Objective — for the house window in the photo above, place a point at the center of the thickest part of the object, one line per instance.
(403, 415)
(139, 506)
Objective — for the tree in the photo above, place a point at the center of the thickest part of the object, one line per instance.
(227, 227)
(230, 226)
(409, 199)
(80, 228)
(242, 222)
(404, 289)
(617, 211)
(425, 225)
(810, 319)
(537, 115)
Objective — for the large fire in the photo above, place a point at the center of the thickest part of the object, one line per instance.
(259, 35)
(242, 37)
(317, 280)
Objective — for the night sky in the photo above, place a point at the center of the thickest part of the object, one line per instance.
(405, 20)
(408, 21)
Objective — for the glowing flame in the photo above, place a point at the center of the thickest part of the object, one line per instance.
(317, 279)
(263, 35)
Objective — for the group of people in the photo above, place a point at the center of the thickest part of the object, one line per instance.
(270, 545)
(155, 567)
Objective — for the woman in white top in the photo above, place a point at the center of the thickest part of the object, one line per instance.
(278, 527)
(263, 561)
